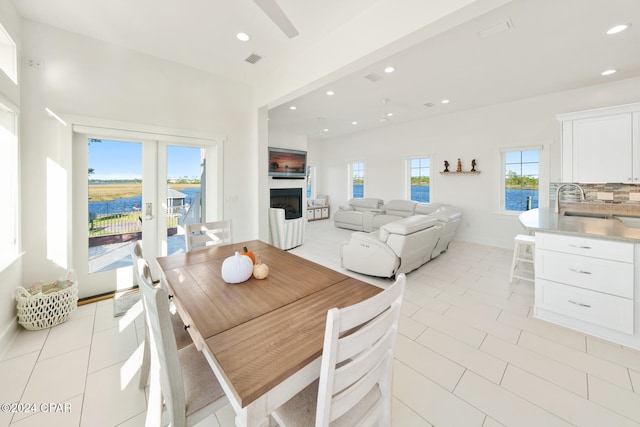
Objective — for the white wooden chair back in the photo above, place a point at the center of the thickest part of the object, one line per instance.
(136, 257)
(164, 353)
(206, 234)
(355, 364)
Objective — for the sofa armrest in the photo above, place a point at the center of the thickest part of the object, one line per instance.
(365, 254)
(346, 208)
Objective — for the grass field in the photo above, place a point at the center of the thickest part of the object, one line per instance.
(109, 192)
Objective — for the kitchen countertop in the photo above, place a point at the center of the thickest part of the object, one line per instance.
(545, 219)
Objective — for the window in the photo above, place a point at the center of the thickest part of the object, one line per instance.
(9, 225)
(521, 174)
(419, 178)
(311, 178)
(8, 55)
(356, 180)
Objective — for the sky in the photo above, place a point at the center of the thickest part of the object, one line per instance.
(123, 160)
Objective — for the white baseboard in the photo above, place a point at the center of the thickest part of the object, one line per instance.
(7, 336)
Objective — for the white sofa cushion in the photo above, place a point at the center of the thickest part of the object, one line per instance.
(427, 208)
(406, 226)
(366, 204)
(402, 208)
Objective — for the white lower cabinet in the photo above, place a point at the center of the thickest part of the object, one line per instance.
(588, 285)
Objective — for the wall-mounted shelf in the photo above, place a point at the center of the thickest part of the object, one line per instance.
(461, 173)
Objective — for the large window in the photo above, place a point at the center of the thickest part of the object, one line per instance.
(521, 175)
(356, 180)
(419, 178)
(9, 225)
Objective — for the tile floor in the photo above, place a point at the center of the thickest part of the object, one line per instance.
(468, 354)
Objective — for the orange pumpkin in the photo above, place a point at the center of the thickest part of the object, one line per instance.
(247, 252)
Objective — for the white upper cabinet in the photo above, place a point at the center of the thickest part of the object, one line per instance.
(601, 145)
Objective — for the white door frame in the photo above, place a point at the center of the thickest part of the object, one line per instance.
(154, 139)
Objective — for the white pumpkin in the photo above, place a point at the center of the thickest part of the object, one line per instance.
(237, 268)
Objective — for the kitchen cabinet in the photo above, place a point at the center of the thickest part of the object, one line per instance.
(601, 145)
(590, 285)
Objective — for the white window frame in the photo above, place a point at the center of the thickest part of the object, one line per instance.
(10, 243)
(541, 161)
(408, 174)
(350, 177)
(8, 55)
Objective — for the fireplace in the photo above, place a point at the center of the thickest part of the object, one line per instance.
(289, 199)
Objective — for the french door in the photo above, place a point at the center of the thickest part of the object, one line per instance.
(127, 188)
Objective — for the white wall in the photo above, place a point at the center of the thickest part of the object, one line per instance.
(85, 77)
(476, 134)
(11, 276)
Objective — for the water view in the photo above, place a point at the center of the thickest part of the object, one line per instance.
(517, 199)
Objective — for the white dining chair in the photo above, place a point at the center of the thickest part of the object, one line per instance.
(180, 378)
(354, 387)
(205, 234)
(183, 338)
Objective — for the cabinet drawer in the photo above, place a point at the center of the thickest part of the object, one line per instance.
(325, 212)
(602, 275)
(593, 307)
(606, 249)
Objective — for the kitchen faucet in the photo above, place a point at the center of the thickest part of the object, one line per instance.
(582, 196)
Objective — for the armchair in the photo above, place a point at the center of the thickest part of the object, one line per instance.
(285, 233)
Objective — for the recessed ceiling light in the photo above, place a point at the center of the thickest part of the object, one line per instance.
(389, 114)
(608, 72)
(326, 130)
(354, 123)
(618, 29)
(330, 92)
(445, 101)
(389, 69)
(243, 37)
(293, 107)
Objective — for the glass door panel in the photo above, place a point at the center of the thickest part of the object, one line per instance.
(114, 201)
(185, 202)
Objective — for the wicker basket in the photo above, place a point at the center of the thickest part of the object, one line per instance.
(47, 304)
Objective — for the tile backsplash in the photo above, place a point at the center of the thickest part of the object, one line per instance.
(613, 193)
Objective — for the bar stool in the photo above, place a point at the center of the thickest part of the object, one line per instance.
(523, 255)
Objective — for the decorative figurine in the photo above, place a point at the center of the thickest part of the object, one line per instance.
(446, 166)
(459, 166)
(473, 165)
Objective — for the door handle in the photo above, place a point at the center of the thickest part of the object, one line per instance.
(579, 304)
(579, 271)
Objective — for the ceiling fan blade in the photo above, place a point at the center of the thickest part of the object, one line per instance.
(273, 11)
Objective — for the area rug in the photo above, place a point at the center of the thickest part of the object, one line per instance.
(124, 300)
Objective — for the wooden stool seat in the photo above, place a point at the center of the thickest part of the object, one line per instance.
(523, 258)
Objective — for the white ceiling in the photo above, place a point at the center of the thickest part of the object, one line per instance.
(552, 45)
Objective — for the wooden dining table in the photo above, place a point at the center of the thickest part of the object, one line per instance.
(262, 338)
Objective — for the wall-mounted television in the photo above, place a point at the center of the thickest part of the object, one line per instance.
(287, 164)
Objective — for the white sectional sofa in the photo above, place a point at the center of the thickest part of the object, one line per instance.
(406, 235)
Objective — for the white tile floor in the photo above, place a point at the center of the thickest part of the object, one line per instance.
(468, 354)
